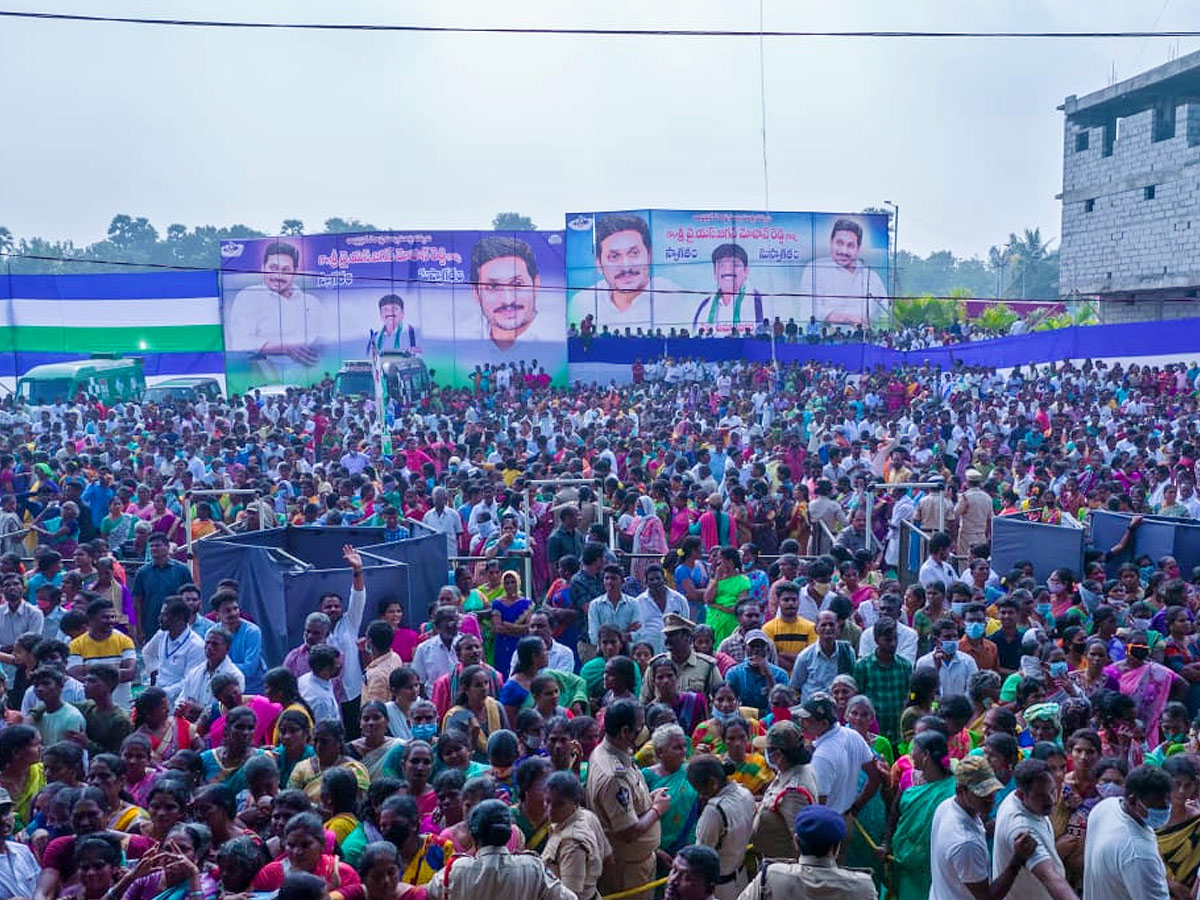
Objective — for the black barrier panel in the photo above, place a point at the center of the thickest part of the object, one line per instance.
(428, 571)
(1156, 537)
(1048, 547)
(282, 573)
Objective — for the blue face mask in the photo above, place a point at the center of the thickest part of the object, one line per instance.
(426, 731)
(1157, 818)
(1108, 789)
(956, 609)
(1058, 669)
(949, 648)
(721, 716)
(976, 630)
(1043, 610)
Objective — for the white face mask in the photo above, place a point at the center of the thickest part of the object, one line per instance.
(1031, 667)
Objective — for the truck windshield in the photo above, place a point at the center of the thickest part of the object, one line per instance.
(351, 384)
(44, 391)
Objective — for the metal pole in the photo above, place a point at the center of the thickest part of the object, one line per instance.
(870, 517)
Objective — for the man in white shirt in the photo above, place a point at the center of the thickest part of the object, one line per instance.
(655, 602)
(435, 656)
(627, 294)
(347, 621)
(839, 754)
(1027, 809)
(843, 289)
(1121, 860)
(937, 566)
(444, 519)
(197, 684)
(174, 650)
(283, 327)
(954, 668)
(907, 639)
(958, 842)
(487, 504)
(558, 656)
(316, 686)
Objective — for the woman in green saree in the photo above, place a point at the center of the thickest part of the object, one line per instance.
(679, 824)
(913, 817)
(860, 716)
(226, 764)
(530, 813)
(381, 754)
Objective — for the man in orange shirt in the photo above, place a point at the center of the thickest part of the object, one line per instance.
(972, 642)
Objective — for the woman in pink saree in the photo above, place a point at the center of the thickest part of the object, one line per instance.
(649, 536)
(1150, 684)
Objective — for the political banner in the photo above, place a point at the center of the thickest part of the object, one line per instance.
(296, 308)
(721, 272)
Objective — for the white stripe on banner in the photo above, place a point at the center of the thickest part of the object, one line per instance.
(117, 313)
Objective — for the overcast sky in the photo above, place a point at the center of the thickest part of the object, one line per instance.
(216, 126)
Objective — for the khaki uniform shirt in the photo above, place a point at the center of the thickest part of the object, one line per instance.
(812, 878)
(575, 852)
(726, 824)
(494, 873)
(618, 795)
(791, 791)
(974, 513)
(698, 673)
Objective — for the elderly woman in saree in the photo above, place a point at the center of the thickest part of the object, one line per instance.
(226, 764)
(329, 741)
(649, 537)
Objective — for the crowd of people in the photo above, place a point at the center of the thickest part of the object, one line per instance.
(895, 335)
(692, 662)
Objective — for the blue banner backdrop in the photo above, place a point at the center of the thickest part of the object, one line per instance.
(1096, 341)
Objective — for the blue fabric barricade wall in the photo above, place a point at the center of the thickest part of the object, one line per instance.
(1048, 547)
(1156, 537)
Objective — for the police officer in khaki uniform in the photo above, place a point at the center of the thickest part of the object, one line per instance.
(577, 846)
(816, 875)
(697, 671)
(794, 788)
(628, 811)
(726, 820)
(494, 873)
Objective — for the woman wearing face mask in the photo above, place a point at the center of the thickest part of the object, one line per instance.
(1150, 684)
(793, 788)
(706, 737)
(421, 856)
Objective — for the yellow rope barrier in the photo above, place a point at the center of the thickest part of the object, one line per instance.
(648, 886)
(866, 837)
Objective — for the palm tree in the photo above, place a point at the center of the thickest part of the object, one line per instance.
(1029, 253)
(6, 240)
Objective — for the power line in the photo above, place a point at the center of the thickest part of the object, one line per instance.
(586, 32)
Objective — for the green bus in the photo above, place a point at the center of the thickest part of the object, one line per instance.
(107, 378)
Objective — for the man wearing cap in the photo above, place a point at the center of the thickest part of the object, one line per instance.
(617, 793)
(959, 855)
(974, 511)
(697, 671)
(819, 833)
(754, 677)
(839, 754)
(19, 871)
